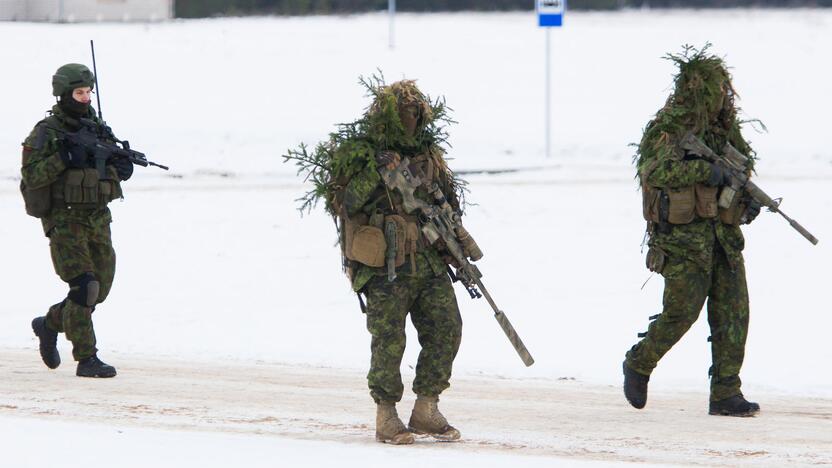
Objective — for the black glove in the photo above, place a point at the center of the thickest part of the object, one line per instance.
(719, 176)
(124, 168)
(751, 212)
(74, 156)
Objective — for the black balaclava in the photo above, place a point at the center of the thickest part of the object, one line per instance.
(73, 108)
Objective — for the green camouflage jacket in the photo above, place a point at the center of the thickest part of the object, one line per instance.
(673, 169)
(42, 166)
(366, 192)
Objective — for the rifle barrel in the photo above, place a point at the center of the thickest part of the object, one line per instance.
(507, 327)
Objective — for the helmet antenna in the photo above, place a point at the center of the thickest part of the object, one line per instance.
(95, 77)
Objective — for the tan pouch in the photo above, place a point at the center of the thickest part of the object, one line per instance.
(682, 208)
(733, 213)
(38, 201)
(350, 225)
(368, 246)
(706, 201)
(650, 198)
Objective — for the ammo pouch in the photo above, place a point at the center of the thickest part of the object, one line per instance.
(407, 236)
(38, 201)
(684, 204)
(82, 188)
(733, 214)
(365, 243)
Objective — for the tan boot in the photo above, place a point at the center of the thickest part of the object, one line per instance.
(389, 428)
(426, 419)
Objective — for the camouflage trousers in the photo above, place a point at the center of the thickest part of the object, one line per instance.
(433, 309)
(77, 249)
(687, 285)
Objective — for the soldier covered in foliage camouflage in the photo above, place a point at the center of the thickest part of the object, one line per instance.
(61, 186)
(385, 254)
(694, 242)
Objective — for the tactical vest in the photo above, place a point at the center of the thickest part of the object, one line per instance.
(687, 204)
(76, 189)
(365, 237)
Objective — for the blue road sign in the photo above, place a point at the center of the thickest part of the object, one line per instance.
(550, 13)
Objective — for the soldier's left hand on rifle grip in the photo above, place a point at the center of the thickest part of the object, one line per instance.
(719, 176)
(123, 166)
(751, 212)
(74, 156)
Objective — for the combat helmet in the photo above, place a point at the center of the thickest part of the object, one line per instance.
(71, 76)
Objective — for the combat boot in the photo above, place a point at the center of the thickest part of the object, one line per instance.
(48, 343)
(93, 367)
(426, 419)
(389, 428)
(635, 387)
(736, 405)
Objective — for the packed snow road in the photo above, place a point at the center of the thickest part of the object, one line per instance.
(562, 419)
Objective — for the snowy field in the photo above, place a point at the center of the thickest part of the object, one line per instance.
(215, 264)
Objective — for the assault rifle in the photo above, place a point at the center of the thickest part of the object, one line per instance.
(95, 139)
(735, 163)
(439, 221)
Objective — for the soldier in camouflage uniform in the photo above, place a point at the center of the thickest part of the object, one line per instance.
(61, 187)
(400, 123)
(696, 245)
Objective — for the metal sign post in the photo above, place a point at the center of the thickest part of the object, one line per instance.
(549, 15)
(391, 13)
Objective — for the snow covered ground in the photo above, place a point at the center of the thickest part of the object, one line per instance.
(216, 265)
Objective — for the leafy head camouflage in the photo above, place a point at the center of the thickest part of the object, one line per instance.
(400, 118)
(702, 101)
(703, 92)
(404, 102)
(71, 76)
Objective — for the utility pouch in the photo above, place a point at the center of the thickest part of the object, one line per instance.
(81, 187)
(706, 201)
(348, 227)
(733, 213)
(401, 237)
(38, 201)
(109, 190)
(682, 209)
(367, 246)
(376, 219)
(650, 198)
(655, 260)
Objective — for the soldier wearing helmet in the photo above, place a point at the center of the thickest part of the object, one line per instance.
(61, 187)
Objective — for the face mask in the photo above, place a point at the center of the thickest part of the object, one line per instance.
(409, 116)
(72, 107)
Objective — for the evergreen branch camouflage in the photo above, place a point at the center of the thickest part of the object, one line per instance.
(352, 148)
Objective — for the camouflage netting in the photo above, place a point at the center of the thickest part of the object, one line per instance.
(702, 102)
(353, 146)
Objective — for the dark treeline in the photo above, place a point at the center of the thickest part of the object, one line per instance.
(207, 8)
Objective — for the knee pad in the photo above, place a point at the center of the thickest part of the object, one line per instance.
(84, 290)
